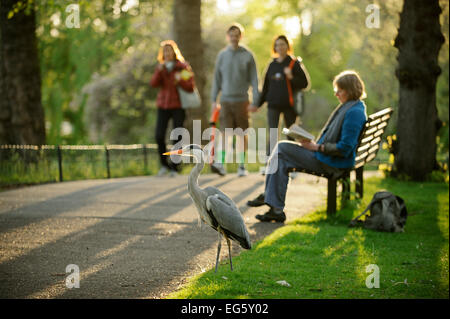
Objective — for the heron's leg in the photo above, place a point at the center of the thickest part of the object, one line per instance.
(229, 251)
(218, 249)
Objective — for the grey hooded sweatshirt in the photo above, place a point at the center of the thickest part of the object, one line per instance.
(234, 72)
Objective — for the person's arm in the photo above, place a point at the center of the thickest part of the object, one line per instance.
(301, 77)
(187, 83)
(217, 80)
(156, 79)
(253, 76)
(311, 145)
(263, 95)
(351, 128)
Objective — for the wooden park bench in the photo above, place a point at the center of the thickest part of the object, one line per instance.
(367, 149)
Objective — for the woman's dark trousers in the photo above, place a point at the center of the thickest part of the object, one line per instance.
(273, 118)
(177, 116)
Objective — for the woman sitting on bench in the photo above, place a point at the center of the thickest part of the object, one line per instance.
(333, 152)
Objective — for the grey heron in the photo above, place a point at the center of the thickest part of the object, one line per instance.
(214, 207)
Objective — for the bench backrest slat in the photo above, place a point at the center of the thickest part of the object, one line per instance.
(375, 140)
(373, 122)
(385, 111)
(371, 157)
(370, 138)
(378, 133)
(362, 148)
(374, 149)
(361, 156)
(382, 125)
(370, 130)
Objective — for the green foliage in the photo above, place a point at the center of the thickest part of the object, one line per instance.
(320, 257)
(121, 101)
(71, 56)
(25, 6)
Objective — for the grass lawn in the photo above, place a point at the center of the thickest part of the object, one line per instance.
(321, 257)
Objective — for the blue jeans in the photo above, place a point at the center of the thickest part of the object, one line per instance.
(287, 155)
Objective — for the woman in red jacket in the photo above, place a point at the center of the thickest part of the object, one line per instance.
(171, 72)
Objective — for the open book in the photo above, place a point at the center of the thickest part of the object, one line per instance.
(296, 132)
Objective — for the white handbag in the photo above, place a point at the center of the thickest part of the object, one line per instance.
(189, 100)
(299, 102)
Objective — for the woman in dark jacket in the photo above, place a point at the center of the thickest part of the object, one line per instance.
(170, 73)
(275, 88)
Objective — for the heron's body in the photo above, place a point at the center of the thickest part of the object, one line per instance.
(215, 208)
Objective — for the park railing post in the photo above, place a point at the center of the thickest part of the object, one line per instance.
(108, 172)
(58, 151)
(144, 151)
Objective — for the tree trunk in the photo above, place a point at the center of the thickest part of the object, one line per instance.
(419, 40)
(21, 113)
(187, 34)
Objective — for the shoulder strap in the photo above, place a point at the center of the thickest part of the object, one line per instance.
(288, 83)
(291, 64)
(377, 197)
(364, 212)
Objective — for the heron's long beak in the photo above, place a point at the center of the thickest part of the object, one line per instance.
(177, 152)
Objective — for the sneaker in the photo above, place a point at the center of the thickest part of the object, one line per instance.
(258, 201)
(218, 169)
(272, 216)
(242, 171)
(262, 170)
(162, 171)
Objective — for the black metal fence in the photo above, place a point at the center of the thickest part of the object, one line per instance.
(29, 164)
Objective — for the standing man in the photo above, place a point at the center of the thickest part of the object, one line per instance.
(234, 72)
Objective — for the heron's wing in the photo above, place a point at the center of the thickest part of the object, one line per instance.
(223, 197)
(229, 218)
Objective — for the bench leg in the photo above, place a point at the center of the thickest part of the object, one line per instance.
(359, 181)
(345, 196)
(331, 198)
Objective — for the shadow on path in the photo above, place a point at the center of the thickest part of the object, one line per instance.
(138, 251)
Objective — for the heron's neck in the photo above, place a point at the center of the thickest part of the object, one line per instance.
(195, 172)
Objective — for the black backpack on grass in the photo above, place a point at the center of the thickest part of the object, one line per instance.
(387, 213)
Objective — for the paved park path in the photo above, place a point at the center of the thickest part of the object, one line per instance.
(135, 237)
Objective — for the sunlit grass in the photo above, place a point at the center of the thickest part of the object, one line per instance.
(321, 257)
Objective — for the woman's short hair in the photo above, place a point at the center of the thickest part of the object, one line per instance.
(286, 40)
(351, 82)
(174, 46)
(236, 26)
